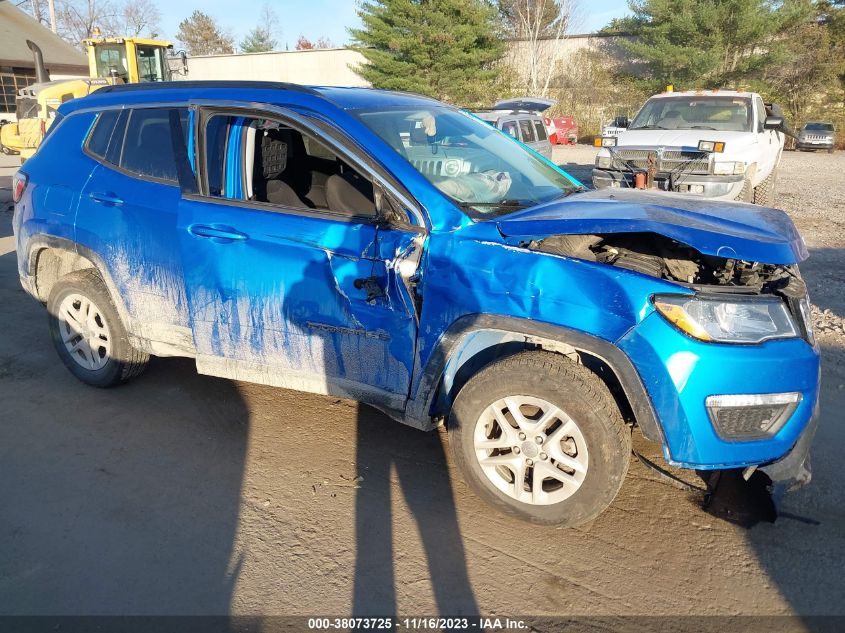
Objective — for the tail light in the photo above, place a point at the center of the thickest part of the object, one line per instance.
(19, 181)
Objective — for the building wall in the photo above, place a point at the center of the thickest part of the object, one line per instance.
(327, 67)
(17, 68)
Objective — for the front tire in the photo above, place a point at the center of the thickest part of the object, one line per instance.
(540, 438)
(88, 334)
(764, 193)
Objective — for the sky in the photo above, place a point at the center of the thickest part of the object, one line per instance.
(322, 18)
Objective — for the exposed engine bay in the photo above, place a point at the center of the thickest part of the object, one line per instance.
(664, 258)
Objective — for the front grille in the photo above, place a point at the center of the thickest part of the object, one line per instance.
(673, 160)
(816, 137)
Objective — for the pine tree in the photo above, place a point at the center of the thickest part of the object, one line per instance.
(446, 49)
(201, 35)
(258, 40)
(707, 43)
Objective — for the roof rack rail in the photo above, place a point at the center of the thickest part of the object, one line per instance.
(208, 83)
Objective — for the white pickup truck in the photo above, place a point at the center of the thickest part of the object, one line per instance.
(715, 144)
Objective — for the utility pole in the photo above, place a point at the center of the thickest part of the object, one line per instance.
(52, 5)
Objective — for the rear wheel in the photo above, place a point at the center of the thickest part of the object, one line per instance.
(88, 334)
(540, 438)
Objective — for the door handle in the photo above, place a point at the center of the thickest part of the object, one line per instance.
(217, 232)
(106, 198)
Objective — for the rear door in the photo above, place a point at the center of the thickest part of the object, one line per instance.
(127, 215)
(294, 294)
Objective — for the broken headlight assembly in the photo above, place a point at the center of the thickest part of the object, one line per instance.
(721, 319)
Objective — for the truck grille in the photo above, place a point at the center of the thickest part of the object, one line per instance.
(673, 160)
(816, 137)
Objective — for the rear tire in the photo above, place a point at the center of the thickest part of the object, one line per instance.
(561, 460)
(88, 334)
(764, 193)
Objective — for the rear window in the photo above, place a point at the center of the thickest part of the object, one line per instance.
(147, 147)
(541, 130)
(98, 141)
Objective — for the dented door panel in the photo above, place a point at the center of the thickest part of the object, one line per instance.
(299, 301)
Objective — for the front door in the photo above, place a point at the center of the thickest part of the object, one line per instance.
(290, 280)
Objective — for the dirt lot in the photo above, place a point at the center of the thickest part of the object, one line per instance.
(182, 494)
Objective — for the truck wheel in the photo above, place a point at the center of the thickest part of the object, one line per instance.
(88, 334)
(764, 193)
(745, 192)
(540, 438)
(830, 150)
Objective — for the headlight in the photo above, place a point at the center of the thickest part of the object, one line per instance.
(727, 320)
(722, 168)
(604, 162)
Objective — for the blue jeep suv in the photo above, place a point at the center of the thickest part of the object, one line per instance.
(392, 249)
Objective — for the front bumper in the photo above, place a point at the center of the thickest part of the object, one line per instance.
(726, 187)
(814, 144)
(680, 373)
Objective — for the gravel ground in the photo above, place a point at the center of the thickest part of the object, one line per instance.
(184, 494)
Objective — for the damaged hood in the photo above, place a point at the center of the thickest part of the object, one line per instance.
(723, 229)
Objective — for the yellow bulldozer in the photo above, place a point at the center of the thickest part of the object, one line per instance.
(111, 60)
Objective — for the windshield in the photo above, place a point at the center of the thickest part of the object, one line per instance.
(728, 114)
(819, 127)
(152, 64)
(112, 57)
(484, 171)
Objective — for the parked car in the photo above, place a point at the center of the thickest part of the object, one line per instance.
(714, 144)
(392, 249)
(817, 135)
(522, 119)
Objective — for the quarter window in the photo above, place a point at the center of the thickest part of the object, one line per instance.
(98, 141)
(541, 130)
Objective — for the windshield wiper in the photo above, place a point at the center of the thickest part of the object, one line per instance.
(500, 203)
(649, 127)
(701, 127)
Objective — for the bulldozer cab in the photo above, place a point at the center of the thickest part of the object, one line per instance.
(128, 59)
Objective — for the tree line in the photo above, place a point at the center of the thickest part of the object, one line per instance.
(198, 34)
(791, 51)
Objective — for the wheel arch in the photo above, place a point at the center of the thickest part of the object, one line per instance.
(474, 341)
(50, 258)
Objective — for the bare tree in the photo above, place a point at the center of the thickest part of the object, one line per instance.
(540, 25)
(137, 18)
(78, 18)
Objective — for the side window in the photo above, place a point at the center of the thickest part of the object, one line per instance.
(541, 130)
(267, 161)
(147, 146)
(526, 131)
(101, 133)
(509, 127)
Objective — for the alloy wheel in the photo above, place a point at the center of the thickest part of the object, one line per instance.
(531, 450)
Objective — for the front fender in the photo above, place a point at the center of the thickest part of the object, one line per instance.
(444, 363)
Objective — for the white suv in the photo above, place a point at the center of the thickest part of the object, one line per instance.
(715, 144)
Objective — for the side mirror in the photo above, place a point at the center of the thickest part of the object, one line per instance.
(184, 56)
(623, 122)
(773, 123)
